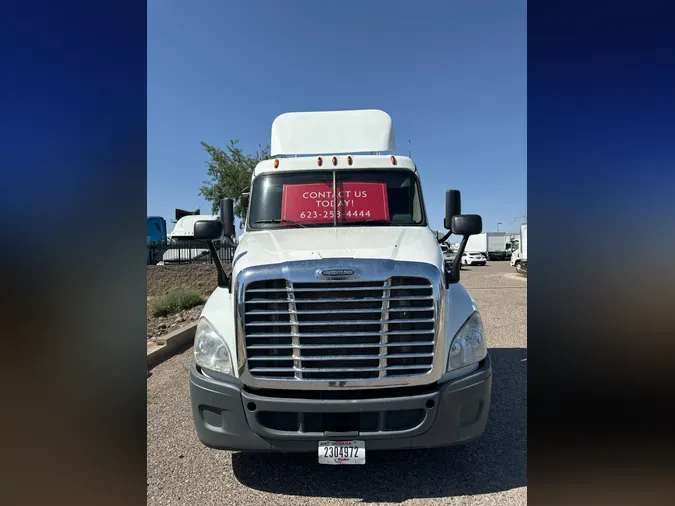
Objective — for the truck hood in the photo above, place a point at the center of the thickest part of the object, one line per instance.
(413, 244)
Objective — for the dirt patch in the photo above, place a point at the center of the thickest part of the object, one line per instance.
(162, 279)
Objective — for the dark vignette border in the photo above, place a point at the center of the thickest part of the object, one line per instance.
(73, 109)
(601, 324)
(601, 288)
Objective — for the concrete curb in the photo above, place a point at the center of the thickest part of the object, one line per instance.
(162, 348)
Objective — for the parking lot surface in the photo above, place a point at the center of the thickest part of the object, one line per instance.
(492, 470)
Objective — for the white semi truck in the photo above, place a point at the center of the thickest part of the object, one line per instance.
(340, 330)
(183, 235)
(492, 245)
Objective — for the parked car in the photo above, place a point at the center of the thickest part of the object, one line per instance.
(473, 259)
(448, 253)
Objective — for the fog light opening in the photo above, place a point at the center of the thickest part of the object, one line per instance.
(430, 404)
(251, 406)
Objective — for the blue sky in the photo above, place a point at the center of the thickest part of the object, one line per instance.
(451, 74)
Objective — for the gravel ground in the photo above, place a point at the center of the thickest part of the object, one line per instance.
(492, 470)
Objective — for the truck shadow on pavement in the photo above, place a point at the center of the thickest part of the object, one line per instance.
(494, 463)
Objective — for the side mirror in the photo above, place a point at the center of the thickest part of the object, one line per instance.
(466, 224)
(453, 207)
(227, 217)
(208, 230)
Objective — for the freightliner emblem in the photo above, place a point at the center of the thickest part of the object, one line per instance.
(337, 274)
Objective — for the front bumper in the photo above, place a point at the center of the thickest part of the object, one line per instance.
(229, 417)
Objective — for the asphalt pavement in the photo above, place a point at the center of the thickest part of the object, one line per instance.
(492, 470)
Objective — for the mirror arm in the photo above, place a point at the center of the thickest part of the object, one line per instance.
(223, 278)
(445, 237)
(230, 242)
(453, 275)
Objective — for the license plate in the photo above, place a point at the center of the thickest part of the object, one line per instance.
(337, 453)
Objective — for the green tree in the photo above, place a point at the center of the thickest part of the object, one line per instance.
(229, 172)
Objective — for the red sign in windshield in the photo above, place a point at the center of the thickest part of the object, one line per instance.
(314, 203)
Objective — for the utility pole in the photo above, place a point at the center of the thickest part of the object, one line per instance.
(409, 149)
(498, 223)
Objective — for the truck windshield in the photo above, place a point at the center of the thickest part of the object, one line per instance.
(359, 198)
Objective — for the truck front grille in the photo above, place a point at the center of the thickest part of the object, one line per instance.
(335, 331)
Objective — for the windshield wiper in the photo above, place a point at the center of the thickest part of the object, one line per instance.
(377, 221)
(280, 221)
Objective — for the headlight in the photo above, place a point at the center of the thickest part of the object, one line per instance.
(468, 346)
(210, 349)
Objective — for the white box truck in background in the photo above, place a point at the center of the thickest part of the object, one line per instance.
(519, 257)
(490, 244)
(523, 247)
(512, 244)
